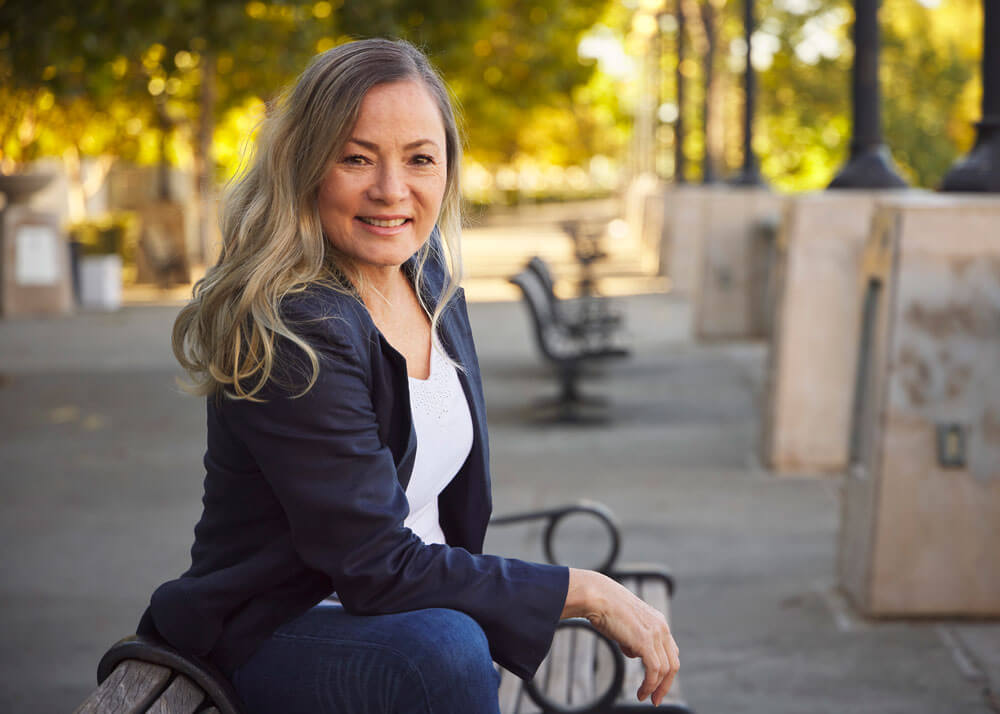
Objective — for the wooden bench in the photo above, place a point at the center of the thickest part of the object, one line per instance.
(141, 674)
(563, 347)
(583, 672)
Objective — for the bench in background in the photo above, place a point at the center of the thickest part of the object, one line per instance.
(563, 347)
(588, 317)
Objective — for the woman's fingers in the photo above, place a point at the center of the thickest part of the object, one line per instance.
(668, 681)
(660, 670)
(639, 629)
(652, 663)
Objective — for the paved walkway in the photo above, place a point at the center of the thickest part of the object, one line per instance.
(101, 476)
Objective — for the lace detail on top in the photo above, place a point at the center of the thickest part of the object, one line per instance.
(434, 396)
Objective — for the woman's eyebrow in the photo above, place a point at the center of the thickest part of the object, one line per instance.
(370, 146)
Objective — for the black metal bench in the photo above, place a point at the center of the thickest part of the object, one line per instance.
(567, 351)
(583, 672)
(589, 317)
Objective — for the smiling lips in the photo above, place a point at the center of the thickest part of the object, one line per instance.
(383, 222)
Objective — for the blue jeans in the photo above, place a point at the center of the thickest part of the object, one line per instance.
(327, 661)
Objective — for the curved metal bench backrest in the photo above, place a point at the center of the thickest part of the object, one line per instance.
(540, 268)
(148, 649)
(546, 321)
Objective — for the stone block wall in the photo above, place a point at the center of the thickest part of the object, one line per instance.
(724, 297)
(683, 228)
(921, 521)
(813, 345)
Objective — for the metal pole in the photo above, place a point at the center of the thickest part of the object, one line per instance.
(679, 122)
(708, 161)
(870, 164)
(980, 169)
(750, 175)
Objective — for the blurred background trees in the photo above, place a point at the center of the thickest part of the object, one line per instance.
(548, 89)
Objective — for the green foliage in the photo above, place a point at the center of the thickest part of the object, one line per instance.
(127, 78)
(928, 86)
(929, 81)
(110, 234)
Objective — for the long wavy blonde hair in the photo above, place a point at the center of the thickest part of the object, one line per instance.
(272, 240)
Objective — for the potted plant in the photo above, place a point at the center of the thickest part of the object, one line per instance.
(102, 246)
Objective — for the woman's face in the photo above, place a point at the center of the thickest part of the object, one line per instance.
(381, 196)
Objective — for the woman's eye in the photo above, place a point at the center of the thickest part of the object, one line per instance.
(423, 159)
(355, 159)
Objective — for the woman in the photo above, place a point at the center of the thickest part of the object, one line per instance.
(337, 565)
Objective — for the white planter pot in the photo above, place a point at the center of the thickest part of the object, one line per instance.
(101, 282)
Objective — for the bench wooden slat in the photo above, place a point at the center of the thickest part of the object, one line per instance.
(182, 697)
(128, 690)
(558, 676)
(604, 661)
(510, 690)
(525, 704)
(582, 667)
(654, 592)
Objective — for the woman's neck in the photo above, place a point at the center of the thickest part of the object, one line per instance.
(383, 290)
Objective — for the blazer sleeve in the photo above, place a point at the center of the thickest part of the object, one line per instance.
(323, 458)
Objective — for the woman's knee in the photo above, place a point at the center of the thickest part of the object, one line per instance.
(455, 650)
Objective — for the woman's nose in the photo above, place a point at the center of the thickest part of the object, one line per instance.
(389, 185)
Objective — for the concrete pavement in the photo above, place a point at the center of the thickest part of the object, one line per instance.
(100, 468)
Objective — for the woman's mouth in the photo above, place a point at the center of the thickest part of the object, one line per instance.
(383, 222)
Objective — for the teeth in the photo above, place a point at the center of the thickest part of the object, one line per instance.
(384, 224)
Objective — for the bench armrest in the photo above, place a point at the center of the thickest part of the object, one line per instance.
(147, 648)
(538, 687)
(555, 515)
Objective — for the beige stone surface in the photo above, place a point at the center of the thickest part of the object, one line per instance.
(44, 289)
(723, 305)
(814, 340)
(860, 496)
(920, 537)
(644, 212)
(684, 226)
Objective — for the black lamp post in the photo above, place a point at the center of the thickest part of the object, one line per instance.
(750, 174)
(980, 170)
(708, 160)
(679, 121)
(870, 164)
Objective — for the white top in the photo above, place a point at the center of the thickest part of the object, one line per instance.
(443, 424)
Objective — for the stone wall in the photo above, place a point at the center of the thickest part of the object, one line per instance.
(813, 344)
(683, 228)
(921, 521)
(724, 305)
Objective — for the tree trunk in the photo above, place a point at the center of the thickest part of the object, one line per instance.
(79, 189)
(163, 167)
(75, 193)
(204, 164)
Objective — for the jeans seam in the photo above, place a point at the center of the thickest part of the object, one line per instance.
(368, 645)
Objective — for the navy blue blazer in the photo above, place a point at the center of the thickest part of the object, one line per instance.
(305, 495)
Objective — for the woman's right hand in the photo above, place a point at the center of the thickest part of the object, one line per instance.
(639, 629)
